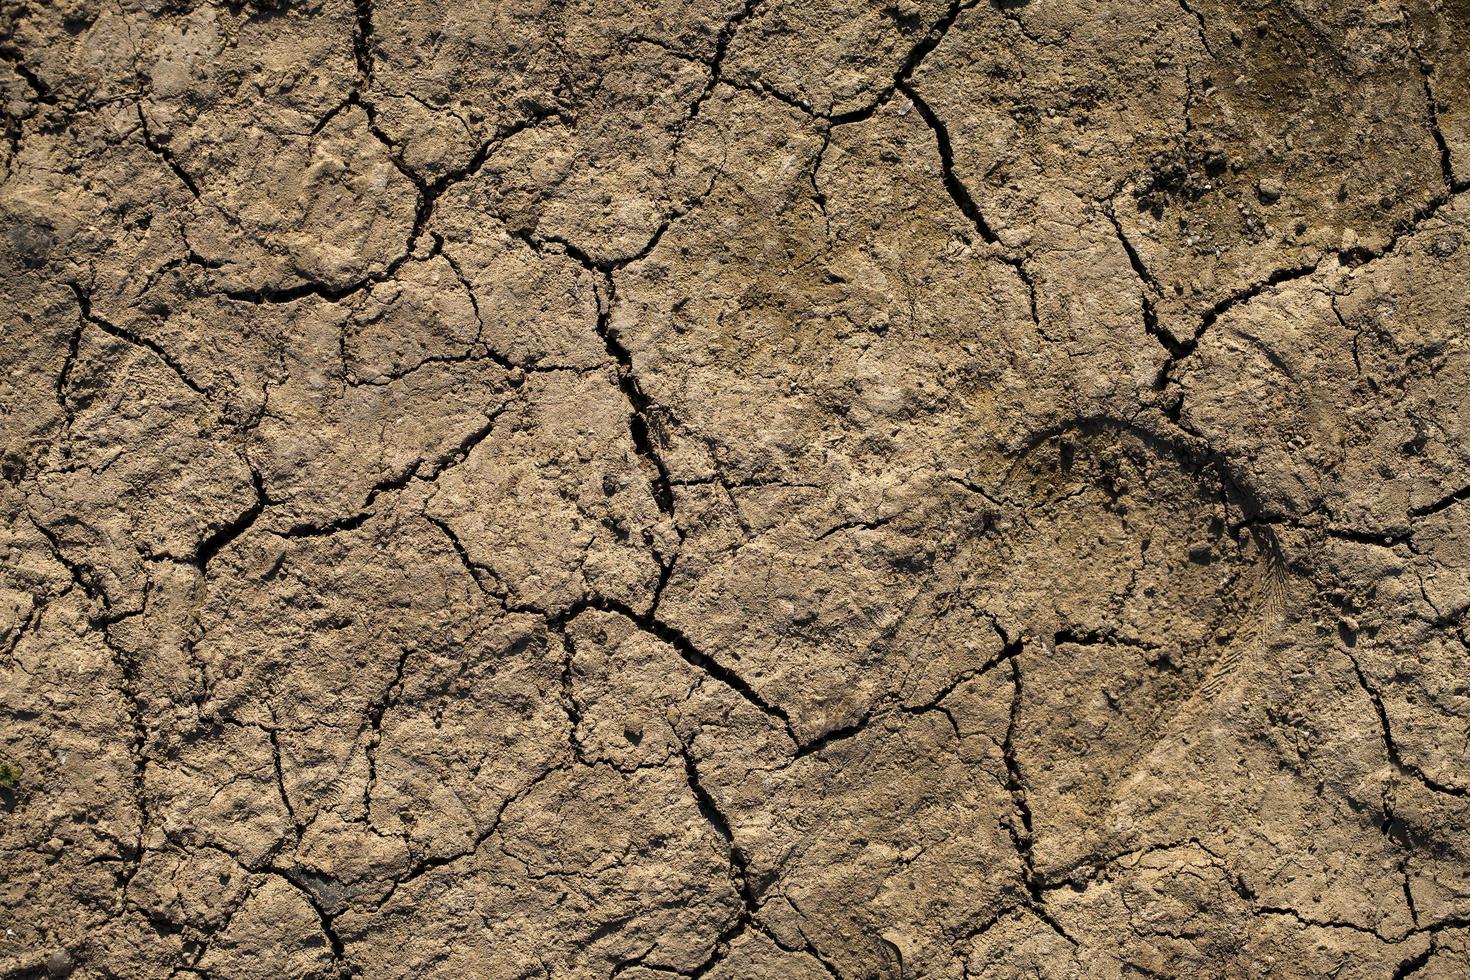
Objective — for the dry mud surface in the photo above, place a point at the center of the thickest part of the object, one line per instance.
(740, 489)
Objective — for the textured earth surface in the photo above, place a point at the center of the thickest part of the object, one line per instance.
(738, 489)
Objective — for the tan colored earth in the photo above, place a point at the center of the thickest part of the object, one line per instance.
(742, 489)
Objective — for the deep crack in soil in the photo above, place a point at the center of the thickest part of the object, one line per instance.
(824, 490)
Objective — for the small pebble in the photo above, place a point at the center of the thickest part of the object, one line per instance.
(59, 963)
(1269, 190)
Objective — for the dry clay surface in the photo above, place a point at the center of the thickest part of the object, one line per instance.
(737, 489)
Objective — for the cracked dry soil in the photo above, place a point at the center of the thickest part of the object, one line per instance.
(768, 489)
